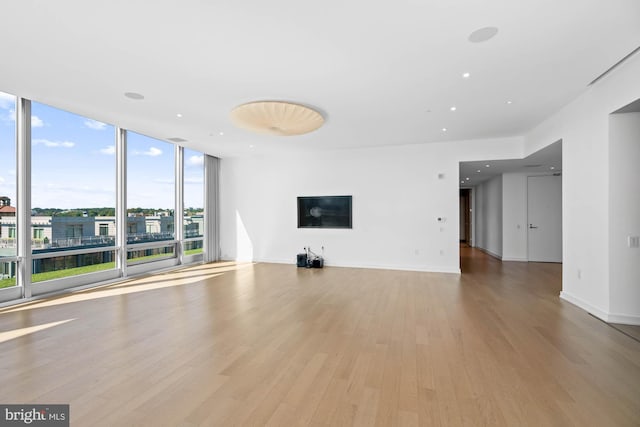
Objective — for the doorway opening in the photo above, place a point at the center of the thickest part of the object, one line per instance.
(511, 209)
(465, 217)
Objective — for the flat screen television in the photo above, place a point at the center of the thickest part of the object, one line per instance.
(324, 212)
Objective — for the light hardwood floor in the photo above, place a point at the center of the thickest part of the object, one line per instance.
(275, 345)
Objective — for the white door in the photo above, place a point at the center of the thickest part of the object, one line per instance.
(544, 213)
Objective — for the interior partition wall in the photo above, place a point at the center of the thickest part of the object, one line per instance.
(118, 230)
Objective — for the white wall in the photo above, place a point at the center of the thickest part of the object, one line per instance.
(624, 215)
(489, 216)
(397, 198)
(514, 217)
(583, 126)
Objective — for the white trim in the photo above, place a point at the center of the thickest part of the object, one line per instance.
(599, 313)
(624, 319)
(9, 294)
(120, 138)
(417, 268)
(23, 194)
(488, 252)
(519, 259)
(178, 212)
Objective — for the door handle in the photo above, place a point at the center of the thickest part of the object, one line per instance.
(533, 226)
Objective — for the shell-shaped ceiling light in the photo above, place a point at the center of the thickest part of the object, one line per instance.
(276, 118)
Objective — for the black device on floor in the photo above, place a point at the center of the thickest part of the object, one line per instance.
(309, 259)
(302, 260)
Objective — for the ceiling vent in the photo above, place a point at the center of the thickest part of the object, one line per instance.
(615, 65)
(176, 140)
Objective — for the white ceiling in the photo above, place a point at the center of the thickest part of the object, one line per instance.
(382, 72)
(545, 161)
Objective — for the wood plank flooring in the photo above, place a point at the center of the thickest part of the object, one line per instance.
(267, 344)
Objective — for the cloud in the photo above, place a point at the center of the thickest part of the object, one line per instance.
(36, 122)
(7, 101)
(196, 160)
(1, 180)
(53, 144)
(12, 172)
(110, 150)
(95, 125)
(152, 152)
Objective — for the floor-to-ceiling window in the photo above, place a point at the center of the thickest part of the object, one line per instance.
(7, 190)
(193, 202)
(73, 183)
(150, 199)
(71, 228)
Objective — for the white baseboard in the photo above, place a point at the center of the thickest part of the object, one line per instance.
(624, 319)
(372, 266)
(488, 252)
(598, 312)
(515, 259)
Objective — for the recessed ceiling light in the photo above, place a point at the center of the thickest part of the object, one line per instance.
(444, 129)
(251, 146)
(552, 167)
(487, 166)
(467, 178)
(461, 182)
(466, 75)
(221, 133)
(478, 171)
(178, 115)
(483, 34)
(509, 102)
(134, 95)
(453, 108)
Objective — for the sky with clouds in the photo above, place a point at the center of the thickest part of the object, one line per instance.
(73, 163)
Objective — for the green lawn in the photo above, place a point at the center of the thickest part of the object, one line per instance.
(58, 274)
(193, 251)
(7, 283)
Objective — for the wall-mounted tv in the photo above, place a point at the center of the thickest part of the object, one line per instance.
(324, 212)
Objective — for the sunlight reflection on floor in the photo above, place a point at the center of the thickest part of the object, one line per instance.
(181, 277)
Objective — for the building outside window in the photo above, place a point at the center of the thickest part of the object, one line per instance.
(38, 233)
(193, 224)
(73, 181)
